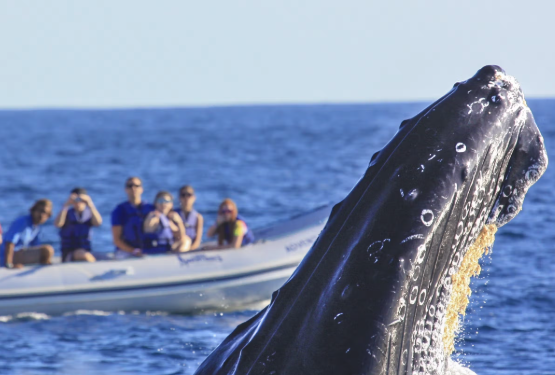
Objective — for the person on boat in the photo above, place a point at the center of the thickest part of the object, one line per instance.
(75, 220)
(22, 242)
(232, 230)
(164, 229)
(127, 220)
(192, 220)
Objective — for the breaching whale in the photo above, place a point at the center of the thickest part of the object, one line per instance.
(382, 287)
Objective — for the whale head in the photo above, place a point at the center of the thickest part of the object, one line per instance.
(381, 289)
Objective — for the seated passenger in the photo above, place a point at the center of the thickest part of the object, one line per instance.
(75, 224)
(127, 221)
(192, 220)
(231, 228)
(164, 230)
(22, 242)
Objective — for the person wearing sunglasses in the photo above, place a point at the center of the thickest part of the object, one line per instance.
(164, 229)
(192, 220)
(127, 220)
(22, 243)
(232, 230)
(75, 220)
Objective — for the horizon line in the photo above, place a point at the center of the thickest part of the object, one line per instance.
(223, 105)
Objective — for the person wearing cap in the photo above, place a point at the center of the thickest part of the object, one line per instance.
(192, 220)
(127, 221)
(22, 240)
(164, 229)
(75, 220)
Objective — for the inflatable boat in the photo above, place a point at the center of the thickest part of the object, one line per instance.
(191, 282)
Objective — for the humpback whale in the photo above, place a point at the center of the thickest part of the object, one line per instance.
(382, 289)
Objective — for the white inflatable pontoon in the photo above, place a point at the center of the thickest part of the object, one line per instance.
(197, 281)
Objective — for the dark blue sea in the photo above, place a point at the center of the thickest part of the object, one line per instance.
(275, 162)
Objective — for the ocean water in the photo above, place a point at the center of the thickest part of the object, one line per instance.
(275, 162)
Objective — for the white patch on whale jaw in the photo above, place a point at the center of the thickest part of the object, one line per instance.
(455, 368)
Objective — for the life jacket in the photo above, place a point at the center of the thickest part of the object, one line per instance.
(160, 241)
(248, 237)
(132, 231)
(190, 222)
(75, 234)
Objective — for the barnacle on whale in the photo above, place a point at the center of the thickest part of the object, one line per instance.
(461, 291)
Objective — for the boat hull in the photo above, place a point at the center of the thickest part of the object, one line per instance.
(193, 282)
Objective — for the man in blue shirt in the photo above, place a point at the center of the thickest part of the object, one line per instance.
(127, 220)
(21, 242)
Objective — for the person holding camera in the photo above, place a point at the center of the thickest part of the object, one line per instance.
(75, 221)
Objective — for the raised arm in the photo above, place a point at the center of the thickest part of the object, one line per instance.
(151, 222)
(60, 219)
(96, 219)
(212, 230)
(214, 227)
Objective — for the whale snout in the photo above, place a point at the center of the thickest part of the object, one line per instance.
(488, 73)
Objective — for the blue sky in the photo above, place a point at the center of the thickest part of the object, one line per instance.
(124, 53)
